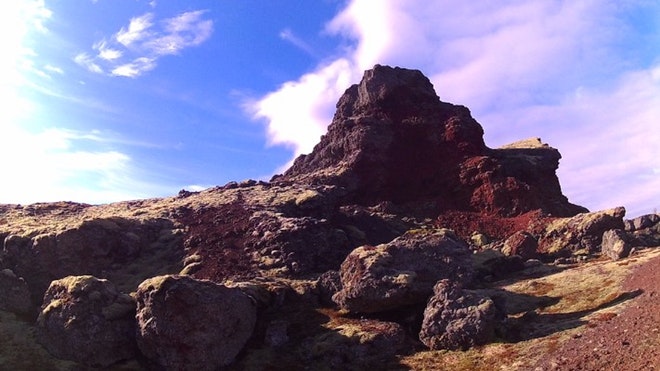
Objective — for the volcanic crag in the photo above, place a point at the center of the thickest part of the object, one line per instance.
(401, 242)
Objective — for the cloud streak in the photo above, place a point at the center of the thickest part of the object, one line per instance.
(525, 68)
(136, 48)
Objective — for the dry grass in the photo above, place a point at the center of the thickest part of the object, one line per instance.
(583, 295)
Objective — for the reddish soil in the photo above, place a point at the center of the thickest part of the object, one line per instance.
(217, 234)
(629, 341)
(464, 223)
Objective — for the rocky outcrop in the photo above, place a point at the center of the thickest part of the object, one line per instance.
(392, 139)
(354, 224)
(616, 244)
(14, 293)
(188, 324)
(85, 319)
(401, 272)
(91, 247)
(356, 344)
(642, 222)
(644, 230)
(522, 244)
(581, 232)
(458, 319)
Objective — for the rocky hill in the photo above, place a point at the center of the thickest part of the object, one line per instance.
(401, 242)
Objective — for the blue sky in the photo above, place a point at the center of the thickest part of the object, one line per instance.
(108, 100)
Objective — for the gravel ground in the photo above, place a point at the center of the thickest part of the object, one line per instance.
(627, 341)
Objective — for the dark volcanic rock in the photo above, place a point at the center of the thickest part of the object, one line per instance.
(356, 345)
(402, 272)
(92, 247)
(85, 319)
(188, 324)
(642, 222)
(392, 139)
(522, 244)
(457, 319)
(14, 293)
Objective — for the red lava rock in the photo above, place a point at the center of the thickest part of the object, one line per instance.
(393, 139)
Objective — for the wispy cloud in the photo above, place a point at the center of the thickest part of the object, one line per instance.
(136, 48)
(54, 69)
(288, 35)
(520, 66)
(138, 29)
(85, 60)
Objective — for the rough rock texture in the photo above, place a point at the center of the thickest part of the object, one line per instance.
(91, 247)
(188, 324)
(645, 230)
(85, 319)
(401, 272)
(395, 159)
(392, 139)
(522, 244)
(642, 222)
(14, 293)
(457, 319)
(581, 232)
(357, 344)
(616, 244)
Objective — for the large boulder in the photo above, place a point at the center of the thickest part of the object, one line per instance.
(189, 324)
(14, 293)
(401, 272)
(85, 319)
(356, 344)
(642, 222)
(458, 319)
(521, 243)
(90, 247)
(581, 232)
(392, 139)
(616, 244)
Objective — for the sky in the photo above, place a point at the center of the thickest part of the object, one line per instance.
(107, 101)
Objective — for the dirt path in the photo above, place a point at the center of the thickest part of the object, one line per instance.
(627, 341)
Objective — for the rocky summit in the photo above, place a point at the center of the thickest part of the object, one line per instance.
(393, 140)
(401, 241)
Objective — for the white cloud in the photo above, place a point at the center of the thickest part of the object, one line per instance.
(85, 60)
(297, 112)
(135, 68)
(525, 68)
(46, 166)
(106, 52)
(138, 29)
(54, 69)
(288, 35)
(136, 48)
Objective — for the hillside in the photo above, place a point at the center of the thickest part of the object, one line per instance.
(401, 242)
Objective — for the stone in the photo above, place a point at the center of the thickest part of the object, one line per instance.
(615, 244)
(86, 320)
(458, 319)
(355, 344)
(88, 247)
(393, 139)
(14, 293)
(642, 222)
(401, 272)
(522, 244)
(329, 283)
(189, 324)
(581, 232)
